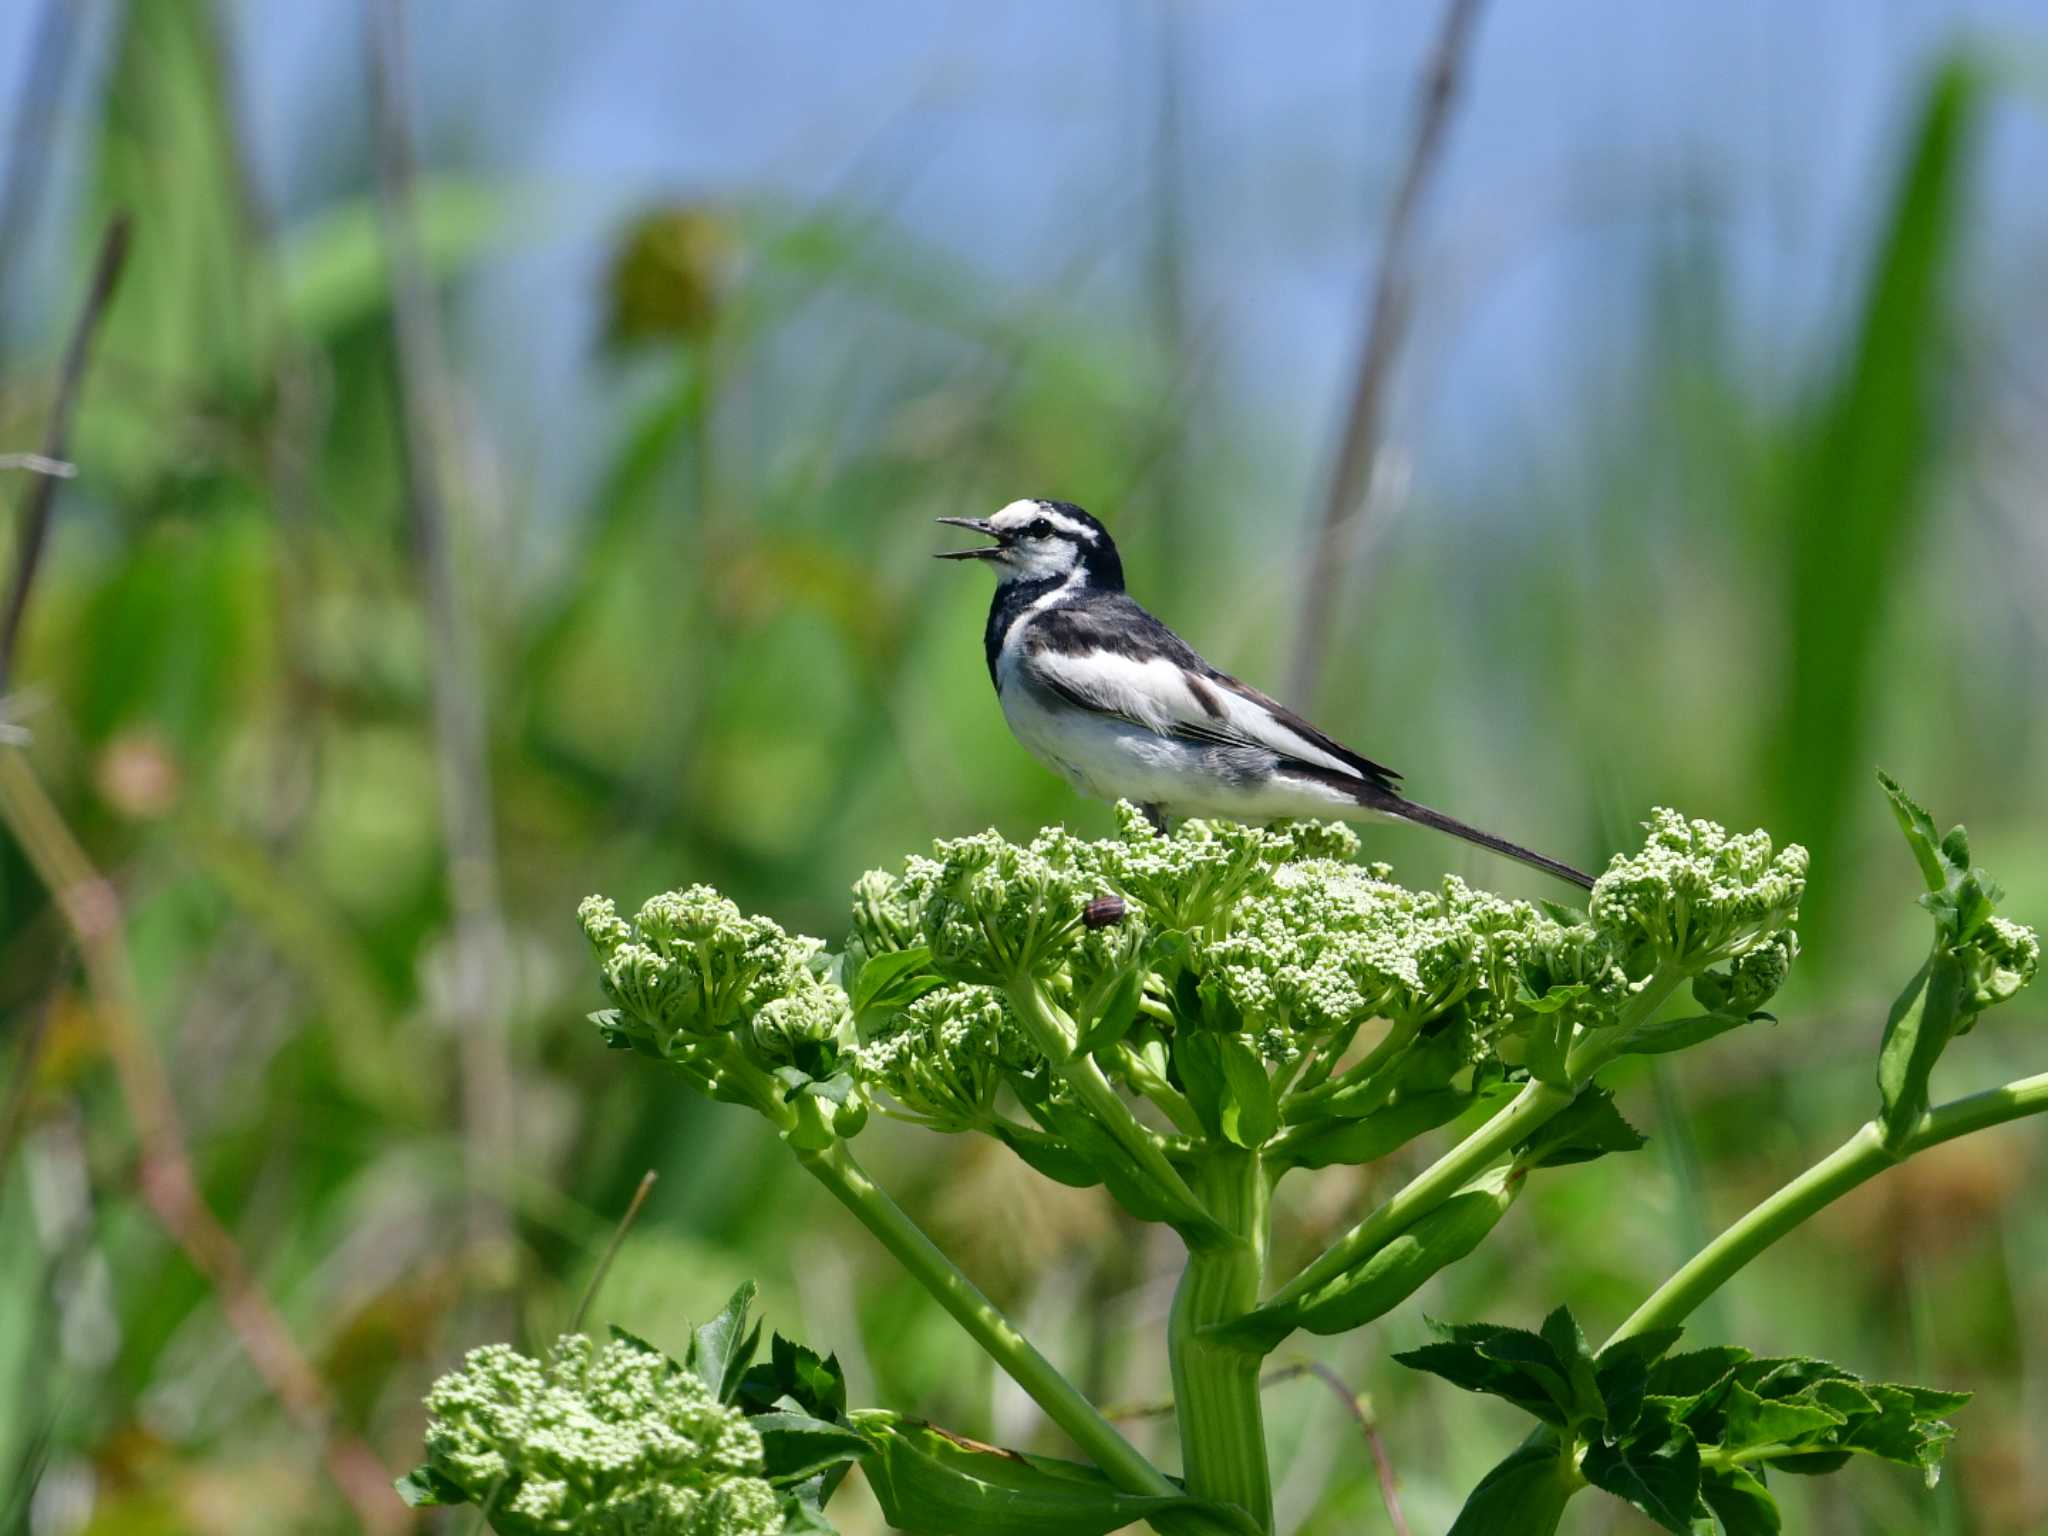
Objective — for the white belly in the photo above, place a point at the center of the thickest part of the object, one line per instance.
(1112, 759)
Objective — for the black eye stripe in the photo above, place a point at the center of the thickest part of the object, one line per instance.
(1040, 529)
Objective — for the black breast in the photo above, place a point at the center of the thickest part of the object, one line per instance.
(1011, 600)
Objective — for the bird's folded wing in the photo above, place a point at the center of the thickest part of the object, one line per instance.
(1163, 694)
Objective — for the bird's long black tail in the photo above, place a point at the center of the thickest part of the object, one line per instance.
(1388, 803)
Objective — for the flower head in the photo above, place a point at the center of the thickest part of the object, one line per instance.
(1696, 894)
(691, 965)
(613, 1439)
(944, 1057)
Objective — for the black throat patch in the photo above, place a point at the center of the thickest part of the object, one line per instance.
(1012, 600)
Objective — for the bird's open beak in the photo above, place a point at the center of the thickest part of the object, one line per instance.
(979, 525)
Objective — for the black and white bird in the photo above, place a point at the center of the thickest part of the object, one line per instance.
(1104, 694)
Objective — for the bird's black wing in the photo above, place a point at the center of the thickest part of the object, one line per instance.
(1107, 655)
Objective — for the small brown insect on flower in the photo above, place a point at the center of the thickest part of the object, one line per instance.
(1103, 912)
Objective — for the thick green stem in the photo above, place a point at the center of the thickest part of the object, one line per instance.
(835, 1168)
(1053, 1033)
(1862, 1157)
(1216, 1388)
(1596, 1047)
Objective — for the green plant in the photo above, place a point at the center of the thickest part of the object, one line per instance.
(1186, 1019)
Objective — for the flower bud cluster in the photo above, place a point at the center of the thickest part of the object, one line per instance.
(945, 1056)
(597, 1439)
(1698, 895)
(691, 967)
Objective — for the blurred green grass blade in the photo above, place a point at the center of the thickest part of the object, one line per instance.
(1859, 496)
(334, 273)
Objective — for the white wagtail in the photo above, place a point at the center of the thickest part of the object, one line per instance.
(1123, 708)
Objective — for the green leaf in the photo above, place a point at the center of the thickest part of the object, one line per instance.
(721, 1349)
(793, 1373)
(1816, 1415)
(1553, 1000)
(1750, 1420)
(1117, 1014)
(1106, 1157)
(424, 1488)
(1657, 1469)
(1741, 1502)
(1589, 1127)
(1052, 1157)
(1567, 1342)
(1524, 1495)
(1921, 837)
(796, 1447)
(1622, 1374)
(1687, 1379)
(930, 1482)
(1393, 1273)
(1198, 1063)
(892, 980)
(1661, 1035)
(1248, 1114)
(1926, 1016)
(803, 1512)
(1366, 1140)
(1509, 1363)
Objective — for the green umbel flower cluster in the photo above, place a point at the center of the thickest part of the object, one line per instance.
(1255, 978)
(1698, 895)
(610, 1441)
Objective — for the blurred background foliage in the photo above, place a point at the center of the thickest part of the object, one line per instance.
(1729, 557)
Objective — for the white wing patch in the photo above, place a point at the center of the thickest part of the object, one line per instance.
(1162, 696)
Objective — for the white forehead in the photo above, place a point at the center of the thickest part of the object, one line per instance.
(1019, 514)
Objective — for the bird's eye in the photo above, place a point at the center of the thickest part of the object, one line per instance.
(1040, 529)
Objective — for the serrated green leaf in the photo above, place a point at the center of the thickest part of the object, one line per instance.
(1509, 1363)
(1921, 837)
(722, 1349)
(1687, 1378)
(1749, 1420)
(1589, 1127)
(1524, 1495)
(424, 1488)
(796, 1447)
(1567, 1342)
(1657, 1469)
(794, 1374)
(1740, 1501)
(1622, 1372)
